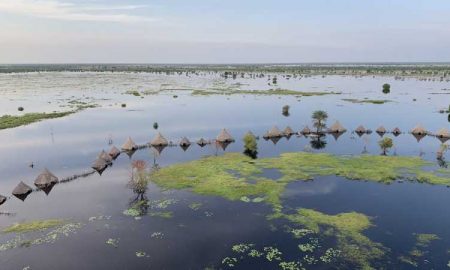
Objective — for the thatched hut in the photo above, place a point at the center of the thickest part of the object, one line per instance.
(159, 140)
(305, 130)
(337, 128)
(21, 191)
(360, 129)
(185, 143)
(45, 179)
(224, 136)
(419, 130)
(288, 131)
(443, 133)
(99, 165)
(274, 132)
(222, 145)
(105, 156)
(129, 145)
(114, 152)
(381, 130)
(2, 199)
(202, 142)
(396, 131)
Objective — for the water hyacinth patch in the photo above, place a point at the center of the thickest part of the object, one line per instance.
(113, 242)
(229, 261)
(272, 254)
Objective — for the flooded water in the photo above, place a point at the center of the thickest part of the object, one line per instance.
(201, 229)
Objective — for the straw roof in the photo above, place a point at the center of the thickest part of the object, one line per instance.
(396, 131)
(360, 129)
(305, 130)
(337, 128)
(21, 191)
(419, 130)
(129, 145)
(103, 155)
(202, 142)
(274, 132)
(114, 152)
(381, 130)
(288, 131)
(99, 165)
(2, 199)
(443, 133)
(46, 179)
(185, 142)
(159, 140)
(224, 136)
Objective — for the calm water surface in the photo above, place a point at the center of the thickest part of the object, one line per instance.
(196, 239)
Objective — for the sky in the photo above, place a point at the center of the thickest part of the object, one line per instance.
(219, 31)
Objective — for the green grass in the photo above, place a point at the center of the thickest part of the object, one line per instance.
(133, 92)
(37, 225)
(371, 101)
(275, 92)
(12, 121)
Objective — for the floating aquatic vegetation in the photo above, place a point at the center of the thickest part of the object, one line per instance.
(141, 254)
(423, 241)
(132, 212)
(113, 242)
(307, 247)
(330, 255)
(161, 204)
(347, 228)
(208, 214)
(101, 217)
(290, 265)
(37, 225)
(272, 254)
(158, 235)
(165, 214)
(23, 239)
(229, 261)
(299, 233)
(372, 101)
(254, 200)
(195, 206)
(213, 175)
(309, 259)
(271, 92)
(255, 253)
(242, 248)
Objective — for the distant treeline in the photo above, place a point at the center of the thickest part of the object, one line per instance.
(362, 69)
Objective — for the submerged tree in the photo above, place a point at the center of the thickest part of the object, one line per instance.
(285, 110)
(319, 119)
(386, 88)
(385, 144)
(250, 145)
(318, 143)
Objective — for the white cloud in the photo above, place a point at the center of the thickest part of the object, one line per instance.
(54, 9)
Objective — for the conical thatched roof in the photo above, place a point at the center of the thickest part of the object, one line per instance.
(443, 133)
(129, 145)
(337, 128)
(103, 155)
(224, 136)
(22, 190)
(288, 131)
(360, 129)
(159, 140)
(381, 130)
(185, 142)
(45, 179)
(274, 132)
(114, 152)
(419, 130)
(202, 142)
(396, 131)
(2, 199)
(305, 130)
(99, 165)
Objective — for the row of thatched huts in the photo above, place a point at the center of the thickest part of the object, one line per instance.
(46, 180)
